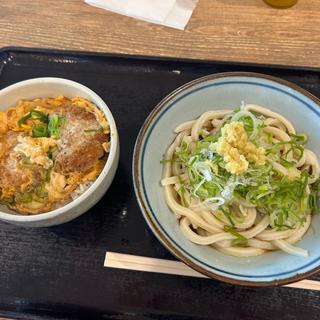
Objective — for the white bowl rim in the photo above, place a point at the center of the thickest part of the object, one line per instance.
(111, 157)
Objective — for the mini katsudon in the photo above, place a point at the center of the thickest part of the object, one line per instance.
(51, 151)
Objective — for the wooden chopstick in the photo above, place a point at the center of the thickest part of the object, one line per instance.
(139, 263)
(131, 262)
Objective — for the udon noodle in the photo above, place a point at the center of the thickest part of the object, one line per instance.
(242, 181)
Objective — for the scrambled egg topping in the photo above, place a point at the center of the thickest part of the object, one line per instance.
(3, 122)
(36, 149)
(237, 150)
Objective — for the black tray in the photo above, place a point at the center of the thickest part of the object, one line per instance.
(58, 272)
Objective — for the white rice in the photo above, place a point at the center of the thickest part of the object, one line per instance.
(81, 189)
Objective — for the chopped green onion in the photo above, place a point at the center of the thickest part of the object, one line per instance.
(301, 138)
(248, 123)
(237, 109)
(24, 119)
(56, 123)
(41, 193)
(40, 130)
(305, 178)
(182, 192)
(91, 130)
(278, 218)
(7, 200)
(314, 198)
(286, 163)
(45, 175)
(240, 239)
(36, 114)
(49, 154)
(211, 138)
(24, 197)
(227, 213)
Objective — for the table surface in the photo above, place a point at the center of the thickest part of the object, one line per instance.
(228, 30)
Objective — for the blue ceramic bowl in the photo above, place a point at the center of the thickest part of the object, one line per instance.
(188, 102)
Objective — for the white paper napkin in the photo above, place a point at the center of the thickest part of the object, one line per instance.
(171, 13)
